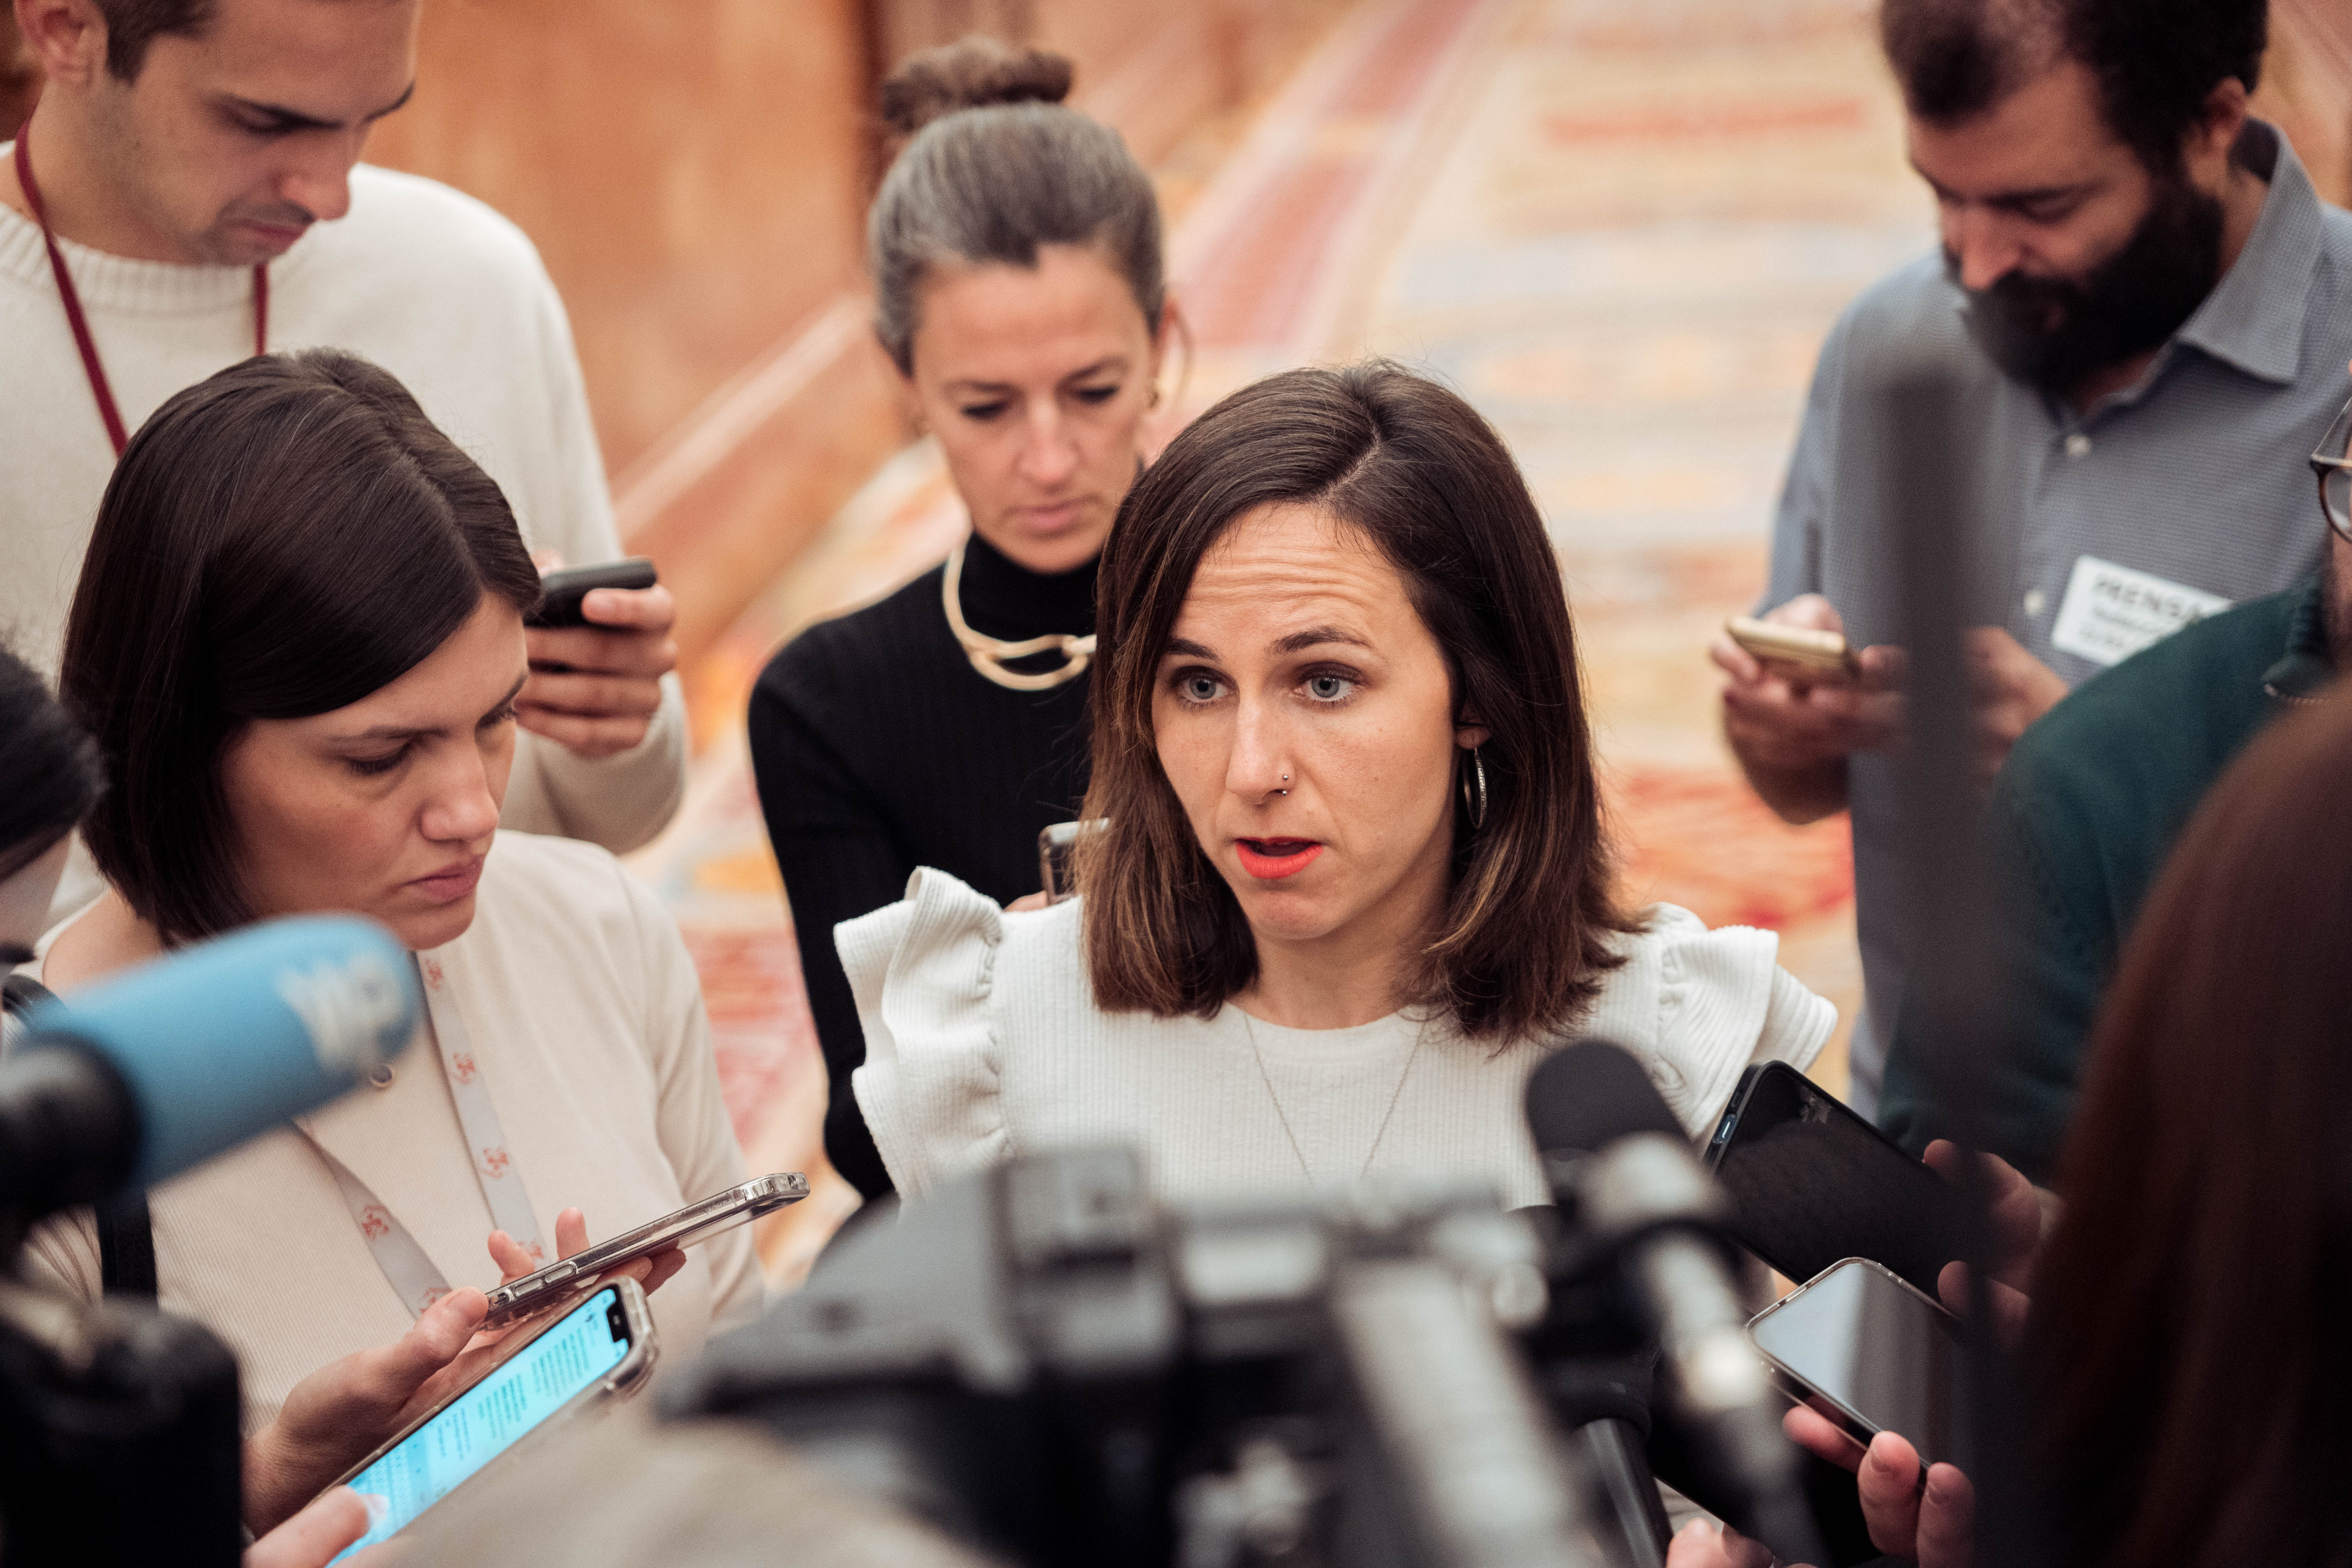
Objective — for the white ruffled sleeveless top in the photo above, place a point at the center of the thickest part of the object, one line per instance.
(983, 1041)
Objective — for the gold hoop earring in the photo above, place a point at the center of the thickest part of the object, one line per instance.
(1474, 804)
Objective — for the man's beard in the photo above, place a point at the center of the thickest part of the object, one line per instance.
(2052, 332)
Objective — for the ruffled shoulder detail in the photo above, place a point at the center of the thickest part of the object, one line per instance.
(921, 971)
(1702, 1004)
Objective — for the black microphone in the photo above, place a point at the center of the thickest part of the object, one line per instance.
(1621, 1167)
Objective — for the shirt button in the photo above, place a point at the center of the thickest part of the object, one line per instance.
(2033, 602)
(2078, 445)
(381, 1075)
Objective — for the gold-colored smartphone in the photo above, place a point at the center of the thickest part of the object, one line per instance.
(1795, 653)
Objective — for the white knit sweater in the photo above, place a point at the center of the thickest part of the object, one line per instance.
(433, 286)
(983, 1041)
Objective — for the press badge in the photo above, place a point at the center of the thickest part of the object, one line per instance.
(2112, 612)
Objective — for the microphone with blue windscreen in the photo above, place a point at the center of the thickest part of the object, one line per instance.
(136, 1079)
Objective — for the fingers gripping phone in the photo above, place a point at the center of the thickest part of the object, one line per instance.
(1812, 1182)
(695, 1222)
(561, 593)
(1869, 1352)
(1798, 654)
(542, 1378)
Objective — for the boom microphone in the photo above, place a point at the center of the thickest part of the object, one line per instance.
(140, 1077)
(1622, 1166)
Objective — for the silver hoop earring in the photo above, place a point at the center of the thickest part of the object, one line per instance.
(1475, 804)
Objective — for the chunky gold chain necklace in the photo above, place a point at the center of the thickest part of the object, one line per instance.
(990, 655)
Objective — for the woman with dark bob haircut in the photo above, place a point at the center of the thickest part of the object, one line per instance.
(296, 641)
(1351, 883)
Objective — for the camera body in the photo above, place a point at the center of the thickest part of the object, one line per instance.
(1043, 1362)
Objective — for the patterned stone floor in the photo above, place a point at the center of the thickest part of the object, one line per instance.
(1622, 228)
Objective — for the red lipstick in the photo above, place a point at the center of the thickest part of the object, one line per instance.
(1271, 860)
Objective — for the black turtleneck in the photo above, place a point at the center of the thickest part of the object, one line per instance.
(879, 749)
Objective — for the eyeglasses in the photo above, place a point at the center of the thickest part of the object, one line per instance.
(2333, 464)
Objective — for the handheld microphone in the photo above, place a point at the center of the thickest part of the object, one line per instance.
(181, 1059)
(1621, 1166)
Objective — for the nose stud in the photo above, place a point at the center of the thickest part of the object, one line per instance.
(1285, 779)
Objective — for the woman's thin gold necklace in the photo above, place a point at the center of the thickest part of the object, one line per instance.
(1386, 1116)
(990, 655)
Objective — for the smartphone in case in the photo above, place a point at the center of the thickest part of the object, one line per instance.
(544, 1376)
(560, 593)
(1054, 846)
(1798, 654)
(695, 1222)
(1812, 1181)
(1871, 1353)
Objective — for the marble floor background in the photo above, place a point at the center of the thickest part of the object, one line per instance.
(1621, 229)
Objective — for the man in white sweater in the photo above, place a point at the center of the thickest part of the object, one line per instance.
(197, 164)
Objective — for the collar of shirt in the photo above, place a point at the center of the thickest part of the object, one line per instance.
(2253, 317)
(2306, 669)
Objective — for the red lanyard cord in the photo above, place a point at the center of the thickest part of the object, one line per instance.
(98, 387)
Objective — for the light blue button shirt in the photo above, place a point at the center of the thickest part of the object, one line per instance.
(2194, 475)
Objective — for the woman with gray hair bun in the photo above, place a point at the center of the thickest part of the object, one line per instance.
(1015, 253)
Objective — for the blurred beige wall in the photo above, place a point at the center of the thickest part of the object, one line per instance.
(695, 173)
(691, 170)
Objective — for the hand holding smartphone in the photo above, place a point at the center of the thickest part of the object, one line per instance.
(541, 1378)
(1869, 1353)
(562, 594)
(1799, 655)
(695, 1222)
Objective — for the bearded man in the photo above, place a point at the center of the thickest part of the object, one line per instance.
(2144, 309)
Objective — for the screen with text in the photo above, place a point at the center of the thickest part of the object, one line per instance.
(484, 1421)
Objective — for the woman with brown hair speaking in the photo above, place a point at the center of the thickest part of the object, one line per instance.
(1353, 883)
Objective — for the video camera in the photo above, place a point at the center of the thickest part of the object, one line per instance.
(1043, 1362)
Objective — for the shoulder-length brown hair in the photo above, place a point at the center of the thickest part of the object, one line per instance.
(279, 541)
(2190, 1340)
(1525, 934)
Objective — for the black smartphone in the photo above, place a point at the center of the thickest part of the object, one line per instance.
(559, 592)
(1812, 1182)
(1871, 1353)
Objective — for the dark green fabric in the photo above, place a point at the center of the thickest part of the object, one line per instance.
(2078, 826)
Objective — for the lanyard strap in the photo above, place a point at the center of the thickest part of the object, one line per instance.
(412, 1275)
(98, 387)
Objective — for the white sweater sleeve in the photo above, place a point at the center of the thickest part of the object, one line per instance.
(932, 1087)
(618, 801)
(1724, 1002)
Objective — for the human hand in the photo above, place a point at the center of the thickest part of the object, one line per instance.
(312, 1537)
(514, 1260)
(1702, 1544)
(595, 688)
(340, 1412)
(1935, 1525)
(2009, 690)
(1793, 734)
(2019, 1217)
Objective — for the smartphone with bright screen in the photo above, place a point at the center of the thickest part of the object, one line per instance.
(568, 1359)
(1812, 1182)
(1871, 1353)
